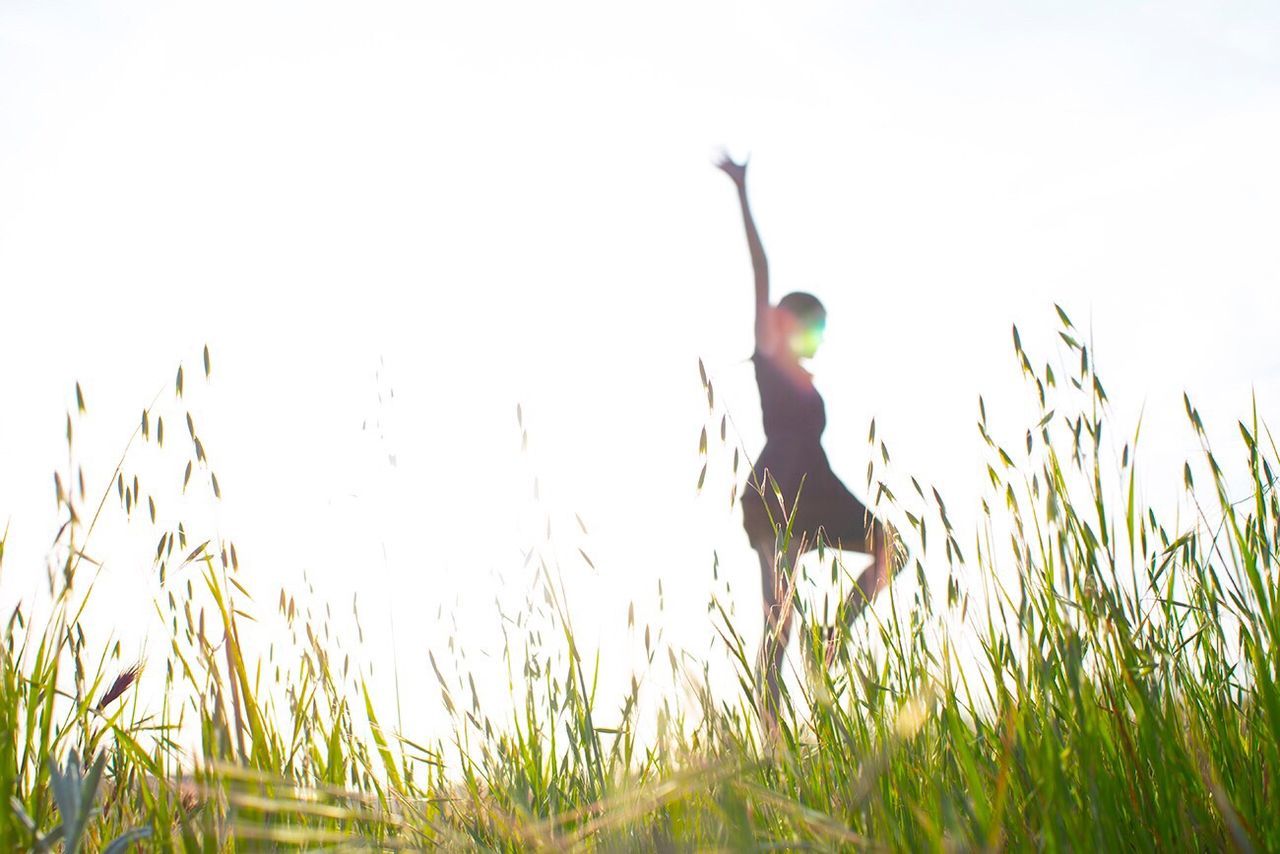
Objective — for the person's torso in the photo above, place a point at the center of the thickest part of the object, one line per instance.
(791, 408)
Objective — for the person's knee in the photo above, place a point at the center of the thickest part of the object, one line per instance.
(882, 540)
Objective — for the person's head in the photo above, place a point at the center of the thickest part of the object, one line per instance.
(802, 320)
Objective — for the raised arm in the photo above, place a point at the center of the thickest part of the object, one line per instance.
(759, 263)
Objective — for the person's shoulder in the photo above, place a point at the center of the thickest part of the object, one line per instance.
(761, 355)
(764, 351)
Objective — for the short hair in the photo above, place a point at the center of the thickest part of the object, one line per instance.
(804, 307)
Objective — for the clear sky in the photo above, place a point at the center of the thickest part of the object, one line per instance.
(483, 204)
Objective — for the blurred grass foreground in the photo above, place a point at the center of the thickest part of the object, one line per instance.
(1087, 676)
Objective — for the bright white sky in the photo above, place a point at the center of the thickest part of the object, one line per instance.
(484, 204)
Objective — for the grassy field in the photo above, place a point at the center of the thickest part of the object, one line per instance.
(1125, 692)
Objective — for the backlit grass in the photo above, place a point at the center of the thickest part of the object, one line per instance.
(1077, 673)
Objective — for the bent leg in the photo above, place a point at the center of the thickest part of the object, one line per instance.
(872, 580)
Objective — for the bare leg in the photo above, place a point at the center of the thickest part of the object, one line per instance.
(872, 580)
(776, 570)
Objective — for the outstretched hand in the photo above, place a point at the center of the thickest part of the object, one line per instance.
(736, 171)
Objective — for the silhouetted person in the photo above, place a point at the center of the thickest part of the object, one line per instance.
(817, 504)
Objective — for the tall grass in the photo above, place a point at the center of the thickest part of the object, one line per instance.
(1074, 674)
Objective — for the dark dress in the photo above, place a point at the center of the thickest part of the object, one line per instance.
(794, 418)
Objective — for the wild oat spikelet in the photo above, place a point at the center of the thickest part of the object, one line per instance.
(122, 683)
